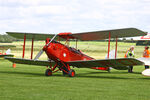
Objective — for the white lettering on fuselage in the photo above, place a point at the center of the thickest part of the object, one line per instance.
(64, 54)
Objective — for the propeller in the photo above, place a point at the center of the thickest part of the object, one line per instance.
(41, 51)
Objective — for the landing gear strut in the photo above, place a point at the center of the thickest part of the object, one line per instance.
(65, 68)
(65, 71)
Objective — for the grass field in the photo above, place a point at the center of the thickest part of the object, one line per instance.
(29, 83)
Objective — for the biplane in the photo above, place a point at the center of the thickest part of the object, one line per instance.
(6, 48)
(62, 57)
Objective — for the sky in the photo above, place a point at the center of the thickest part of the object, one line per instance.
(55, 16)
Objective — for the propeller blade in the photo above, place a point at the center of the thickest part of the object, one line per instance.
(41, 52)
(51, 40)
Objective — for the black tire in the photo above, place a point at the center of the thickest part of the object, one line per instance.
(71, 73)
(48, 72)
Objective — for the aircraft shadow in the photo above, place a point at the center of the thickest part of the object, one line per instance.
(88, 75)
(24, 73)
(81, 75)
(111, 73)
(29, 73)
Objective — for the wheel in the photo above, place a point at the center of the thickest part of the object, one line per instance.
(48, 72)
(71, 73)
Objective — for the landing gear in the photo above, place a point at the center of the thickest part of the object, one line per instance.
(71, 73)
(65, 71)
(68, 71)
(48, 72)
(65, 68)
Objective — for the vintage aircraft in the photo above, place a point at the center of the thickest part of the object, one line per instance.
(61, 56)
(7, 53)
(140, 38)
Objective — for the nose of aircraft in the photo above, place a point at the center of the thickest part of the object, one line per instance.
(44, 48)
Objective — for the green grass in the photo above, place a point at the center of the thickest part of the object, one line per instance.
(29, 82)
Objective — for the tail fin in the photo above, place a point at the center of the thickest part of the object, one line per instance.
(111, 55)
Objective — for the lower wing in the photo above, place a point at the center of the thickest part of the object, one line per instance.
(119, 63)
(30, 61)
(7, 55)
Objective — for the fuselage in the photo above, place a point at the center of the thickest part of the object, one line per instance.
(60, 52)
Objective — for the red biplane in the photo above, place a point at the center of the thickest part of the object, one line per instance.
(62, 57)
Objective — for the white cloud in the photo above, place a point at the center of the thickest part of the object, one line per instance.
(73, 15)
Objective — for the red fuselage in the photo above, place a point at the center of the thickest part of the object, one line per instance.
(60, 52)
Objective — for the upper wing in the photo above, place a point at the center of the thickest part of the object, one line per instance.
(86, 36)
(36, 36)
(115, 63)
(7, 46)
(119, 63)
(29, 61)
(99, 35)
